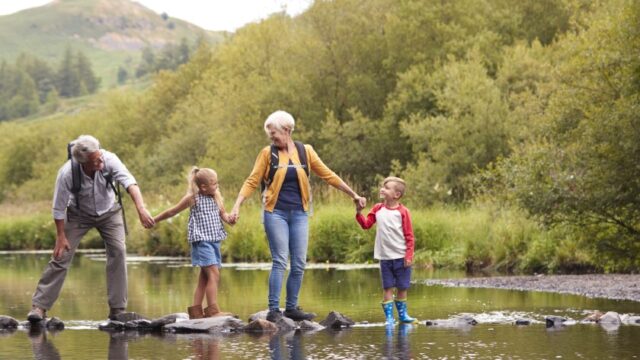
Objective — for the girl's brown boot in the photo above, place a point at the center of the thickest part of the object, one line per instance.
(195, 312)
(213, 310)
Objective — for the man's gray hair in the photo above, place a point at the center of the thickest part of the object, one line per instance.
(280, 120)
(83, 146)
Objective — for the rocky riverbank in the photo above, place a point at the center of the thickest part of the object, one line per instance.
(609, 286)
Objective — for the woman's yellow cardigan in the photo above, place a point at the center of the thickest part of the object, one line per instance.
(261, 172)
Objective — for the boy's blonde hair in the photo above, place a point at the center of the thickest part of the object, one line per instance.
(399, 184)
(199, 176)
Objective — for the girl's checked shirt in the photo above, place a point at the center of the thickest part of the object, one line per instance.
(205, 223)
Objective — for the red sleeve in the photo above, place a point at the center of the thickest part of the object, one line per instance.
(407, 228)
(368, 222)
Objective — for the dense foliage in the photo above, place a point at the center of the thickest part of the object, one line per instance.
(531, 106)
(32, 82)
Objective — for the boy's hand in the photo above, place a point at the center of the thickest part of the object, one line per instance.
(408, 262)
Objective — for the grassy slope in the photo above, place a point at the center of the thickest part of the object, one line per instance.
(110, 32)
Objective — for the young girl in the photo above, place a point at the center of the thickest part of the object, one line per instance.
(205, 232)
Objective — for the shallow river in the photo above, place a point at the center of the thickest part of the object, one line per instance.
(159, 286)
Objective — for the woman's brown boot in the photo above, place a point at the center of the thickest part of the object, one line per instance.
(213, 310)
(195, 312)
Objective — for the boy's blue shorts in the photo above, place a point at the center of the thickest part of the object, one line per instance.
(394, 274)
(206, 253)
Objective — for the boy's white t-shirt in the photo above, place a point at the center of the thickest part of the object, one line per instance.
(394, 235)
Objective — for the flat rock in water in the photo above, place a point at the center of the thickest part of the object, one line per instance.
(610, 317)
(285, 324)
(260, 325)
(460, 321)
(141, 324)
(111, 325)
(631, 320)
(593, 317)
(55, 324)
(7, 322)
(554, 321)
(307, 325)
(260, 315)
(168, 319)
(211, 324)
(129, 316)
(336, 320)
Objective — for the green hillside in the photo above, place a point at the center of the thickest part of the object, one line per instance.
(111, 33)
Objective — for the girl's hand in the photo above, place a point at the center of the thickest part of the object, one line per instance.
(228, 219)
(234, 215)
(408, 263)
(360, 202)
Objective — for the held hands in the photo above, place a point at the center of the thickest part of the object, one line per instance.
(360, 202)
(145, 218)
(228, 219)
(234, 215)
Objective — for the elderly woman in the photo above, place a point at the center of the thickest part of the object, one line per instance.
(286, 199)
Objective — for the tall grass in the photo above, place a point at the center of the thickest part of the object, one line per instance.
(471, 238)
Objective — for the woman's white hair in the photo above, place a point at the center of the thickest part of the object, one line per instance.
(280, 120)
(83, 146)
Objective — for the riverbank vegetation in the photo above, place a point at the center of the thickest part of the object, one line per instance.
(514, 124)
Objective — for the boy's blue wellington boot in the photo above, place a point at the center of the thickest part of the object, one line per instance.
(387, 307)
(401, 306)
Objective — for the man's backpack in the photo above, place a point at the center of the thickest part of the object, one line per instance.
(76, 183)
(275, 161)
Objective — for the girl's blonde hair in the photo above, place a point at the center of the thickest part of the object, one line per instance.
(199, 176)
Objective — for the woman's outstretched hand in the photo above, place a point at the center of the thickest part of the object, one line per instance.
(360, 202)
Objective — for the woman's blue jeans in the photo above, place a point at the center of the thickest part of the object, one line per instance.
(288, 235)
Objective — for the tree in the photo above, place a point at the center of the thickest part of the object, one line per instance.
(581, 169)
(68, 79)
(467, 129)
(41, 73)
(85, 72)
(147, 64)
(25, 100)
(123, 75)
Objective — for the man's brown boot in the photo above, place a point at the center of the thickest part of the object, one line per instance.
(213, 310)
(195, 312)
(36, 314)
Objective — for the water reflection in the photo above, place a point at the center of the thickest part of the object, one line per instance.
(41, 346)
(289, 345)
(158, 289)
(118, 346)
(397, 345)
(205, 347)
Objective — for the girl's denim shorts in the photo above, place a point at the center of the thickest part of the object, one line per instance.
(206, 253)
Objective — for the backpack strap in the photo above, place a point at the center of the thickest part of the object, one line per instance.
(273, 167)
(302, 154)
(275, 162)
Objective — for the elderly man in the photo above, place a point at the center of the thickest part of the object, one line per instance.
(76, 211)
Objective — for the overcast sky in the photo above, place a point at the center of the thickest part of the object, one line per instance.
(209, 14)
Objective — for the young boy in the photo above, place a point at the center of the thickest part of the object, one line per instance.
(394, 246)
